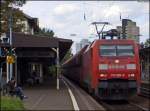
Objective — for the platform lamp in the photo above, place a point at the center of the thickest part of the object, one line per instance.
(10, 66)
(17, 3)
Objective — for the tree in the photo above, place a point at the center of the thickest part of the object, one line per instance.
(45, 32)
(147, 43)
(7, 12)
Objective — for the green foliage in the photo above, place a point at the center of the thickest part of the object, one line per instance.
(52, 70)
(7, 12)
(45, 32)
(147, 43)
(11, 103)
(14, 2)
(67, 56)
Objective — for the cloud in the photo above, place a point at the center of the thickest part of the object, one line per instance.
(65, 9)
(67, 17)
(145, 7)
(51, 23)
(91, 30)
(112, 11)
(144, 31)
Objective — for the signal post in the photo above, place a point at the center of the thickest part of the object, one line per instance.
(10, 59)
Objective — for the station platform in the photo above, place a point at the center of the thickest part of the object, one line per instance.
(68, 97)
(47, 97)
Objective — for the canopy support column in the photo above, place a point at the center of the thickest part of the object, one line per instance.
(57, 50)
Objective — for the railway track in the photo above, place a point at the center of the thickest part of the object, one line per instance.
(145, 92)
(121, 106)
(117, 105)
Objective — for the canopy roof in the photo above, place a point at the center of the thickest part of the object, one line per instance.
(20, 40)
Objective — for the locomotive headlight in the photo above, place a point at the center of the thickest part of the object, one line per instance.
(103, 66)
(131, 66)
(103, 75)
(132, 75)
(116, 61)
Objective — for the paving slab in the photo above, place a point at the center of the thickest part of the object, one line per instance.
(47, 97)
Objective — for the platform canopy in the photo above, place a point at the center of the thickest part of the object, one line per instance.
(25, 41)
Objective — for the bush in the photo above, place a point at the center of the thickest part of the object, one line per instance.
(11, 103)
(52, 70)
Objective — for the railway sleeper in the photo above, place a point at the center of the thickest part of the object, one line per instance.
(145, 92)
(115, 94)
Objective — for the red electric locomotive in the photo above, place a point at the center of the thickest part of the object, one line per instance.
(108, 68)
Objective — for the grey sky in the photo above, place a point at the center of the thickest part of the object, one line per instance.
(67, 17)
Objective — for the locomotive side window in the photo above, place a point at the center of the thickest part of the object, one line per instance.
(125, 50)
(108, 50)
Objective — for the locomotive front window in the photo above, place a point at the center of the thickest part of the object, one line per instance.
(108, 50)
(116, 50)
(125, 50)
